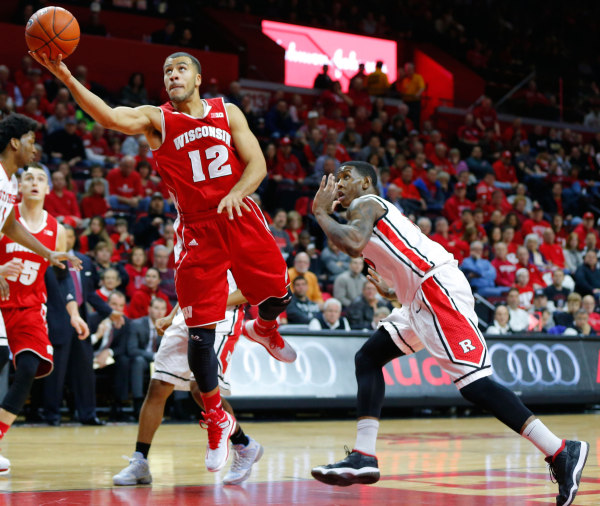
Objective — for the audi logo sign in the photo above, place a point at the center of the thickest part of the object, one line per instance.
(308, 49)
(540, 370)
(537, 364)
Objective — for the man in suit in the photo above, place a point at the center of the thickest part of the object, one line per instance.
(73, 357)
(110, 352)
(142, 344)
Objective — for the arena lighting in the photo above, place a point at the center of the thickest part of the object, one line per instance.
(308, 49)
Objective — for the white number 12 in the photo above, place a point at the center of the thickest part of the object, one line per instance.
(216, 168)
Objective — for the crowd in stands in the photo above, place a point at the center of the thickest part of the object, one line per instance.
(517, 208)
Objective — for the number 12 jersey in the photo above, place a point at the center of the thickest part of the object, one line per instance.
(197, 160)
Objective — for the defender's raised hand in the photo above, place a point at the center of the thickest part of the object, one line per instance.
(325, 198)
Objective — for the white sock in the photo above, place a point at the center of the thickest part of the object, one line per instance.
(366, 436)
(542, 438)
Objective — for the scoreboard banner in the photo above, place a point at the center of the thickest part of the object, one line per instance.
(541, 369)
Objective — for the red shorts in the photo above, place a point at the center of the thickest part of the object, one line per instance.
(208, 244)
(27, 330)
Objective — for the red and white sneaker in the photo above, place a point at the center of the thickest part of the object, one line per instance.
(277, 347)
(220, 426)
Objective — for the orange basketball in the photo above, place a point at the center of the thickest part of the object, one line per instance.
(53, 31)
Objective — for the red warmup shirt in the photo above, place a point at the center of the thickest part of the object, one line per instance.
(504, 173)
(488, 117)
(409, 190)
(289, 168)
(553, 254)
(124, 186)
(469, 133)
(65, 205)
(535, 276)
(136, 279)
(140, 302)
(458, 247)
(93, 205)
(582, 232)
(98, 147)
(484, 191)
(534, 227)
(453, 207)
(505, 272)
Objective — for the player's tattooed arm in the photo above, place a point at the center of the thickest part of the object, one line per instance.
(362, 214)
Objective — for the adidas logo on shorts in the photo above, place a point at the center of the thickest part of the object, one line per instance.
(193, 243)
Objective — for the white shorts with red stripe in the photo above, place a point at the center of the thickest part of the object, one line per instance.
(442, 319)
(171, 360)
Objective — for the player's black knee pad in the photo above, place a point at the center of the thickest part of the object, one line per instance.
(26, 368)
(499, 400)
(202, 358)
(271, 308)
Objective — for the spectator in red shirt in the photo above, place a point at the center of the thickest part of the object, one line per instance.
(456, 203)
(468, 134)
(140, 302)
(94, 202)
(110, 279)
(96, 146)
(122, 240)
(498, 203)
(294, 226)
(136, 269)
(588, 303)
(440, 159)
(485, 188)
(486, 117)
(586, 227)
(341, 154)
(454, 245)
(525, 287)
(94, 234)
(63, 96)
(410, 200)
(515, 133)
(551, 250)
(149, 185)
(124, 185)
(536, 224)
(288, 166)
(10, 87)
(523, 261)
(62, 203)
(359, 95)
(506, 174)
(505, 269)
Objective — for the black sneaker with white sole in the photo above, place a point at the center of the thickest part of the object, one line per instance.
(565, 468)
(356, 468)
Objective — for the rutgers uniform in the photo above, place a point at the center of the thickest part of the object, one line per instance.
(171, 361)
(437, 303)
(199, 165)
(25, 311)
(9, 189)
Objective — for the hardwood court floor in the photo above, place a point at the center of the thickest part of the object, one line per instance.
(466, 462)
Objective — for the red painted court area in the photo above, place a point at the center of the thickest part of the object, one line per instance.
(492, 488)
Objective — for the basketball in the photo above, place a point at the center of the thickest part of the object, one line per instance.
(53, 31)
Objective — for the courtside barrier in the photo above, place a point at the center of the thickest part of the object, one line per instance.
(542, 369)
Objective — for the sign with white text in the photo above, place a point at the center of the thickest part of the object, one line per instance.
(308, 49)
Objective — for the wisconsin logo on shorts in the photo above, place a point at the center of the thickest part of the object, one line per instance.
(187, 312)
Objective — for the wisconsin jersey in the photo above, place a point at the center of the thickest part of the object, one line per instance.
(197, 159)
(395, 240)
(9, 189)
(28, 288)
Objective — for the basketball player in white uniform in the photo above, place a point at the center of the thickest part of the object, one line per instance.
(437, 313)
(17, 149)
(172, 372)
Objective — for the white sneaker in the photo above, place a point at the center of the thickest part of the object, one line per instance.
(136, 473)
(220, 426)
(4, 465)
(277, 347)
(243, 459)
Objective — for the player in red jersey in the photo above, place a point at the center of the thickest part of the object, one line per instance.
(210, 162)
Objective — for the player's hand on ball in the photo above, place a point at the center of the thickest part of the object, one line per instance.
(325, 199)
(56, 260)
(233, 200)
(57, 67)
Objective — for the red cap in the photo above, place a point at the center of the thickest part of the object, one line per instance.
(460, 185)
(507, 154)
(588, 215)
(285, 141)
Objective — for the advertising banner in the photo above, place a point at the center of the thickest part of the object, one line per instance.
(308, 49)
(541, 370)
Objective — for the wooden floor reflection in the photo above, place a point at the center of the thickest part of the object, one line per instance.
(423, 461)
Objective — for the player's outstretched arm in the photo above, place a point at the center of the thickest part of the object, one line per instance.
(251, 156)
(354, 236)
(18, 233)
(128, 120)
